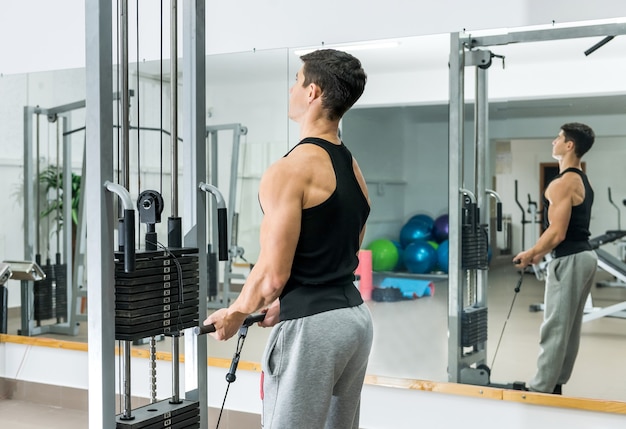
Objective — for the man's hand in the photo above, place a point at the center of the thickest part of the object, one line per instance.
(526, 258)
(226, 324)
(272, 315)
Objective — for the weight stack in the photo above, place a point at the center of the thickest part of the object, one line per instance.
(163, 415)
(159, 297)
(473, 326)
(42, 291)
(60, 273)
(474, 247)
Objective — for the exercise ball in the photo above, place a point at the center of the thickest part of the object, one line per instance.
(420, 257)
(441, 228)
(442, 256)
(384, 254)
(419, 227)
(400, 265)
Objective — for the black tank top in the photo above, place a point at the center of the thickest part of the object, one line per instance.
(577, 235)
(322, 274)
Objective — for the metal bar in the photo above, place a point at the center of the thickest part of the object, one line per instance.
(72, 328)
(57, 110)
(482, 138)
(195, 217)
(126, 387)
(455, 280)
(99, 169)
(26, 289)
(174, 104)
(547, 35)
(175, 370)
(125, 98)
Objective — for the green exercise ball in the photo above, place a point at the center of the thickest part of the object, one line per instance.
(384, 254)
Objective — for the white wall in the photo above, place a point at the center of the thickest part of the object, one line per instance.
(381, 407)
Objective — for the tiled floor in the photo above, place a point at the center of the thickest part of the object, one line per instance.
(411, 342)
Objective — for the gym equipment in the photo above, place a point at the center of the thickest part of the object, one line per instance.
(16, 270)
(363, 274)
(55, 297)
(409, 288)
(420, 257)
(400, 265)
(418, 227)
(234, 250)
(174, 411)
(443, 255)
(243, 332)
(469, 217)
(384, 254)
(441, 228)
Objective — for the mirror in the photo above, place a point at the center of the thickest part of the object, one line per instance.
(399, 133)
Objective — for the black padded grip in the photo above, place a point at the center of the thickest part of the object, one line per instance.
(499, 216)
(222, 231)
(129, 241)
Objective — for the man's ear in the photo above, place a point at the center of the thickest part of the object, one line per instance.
(314, 92)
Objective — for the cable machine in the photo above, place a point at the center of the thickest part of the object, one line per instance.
(127, 268)
(467, 301)
(234, 250)
(61, 289)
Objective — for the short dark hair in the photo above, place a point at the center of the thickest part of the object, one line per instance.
(339, 75)
(582, 135)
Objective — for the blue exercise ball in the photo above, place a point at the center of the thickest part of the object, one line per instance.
(420, 257)
(442, 256)
(441, 228)
(400, 265)
(419, 227)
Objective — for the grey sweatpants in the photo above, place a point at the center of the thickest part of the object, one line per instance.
(568, 284)
(313, 370)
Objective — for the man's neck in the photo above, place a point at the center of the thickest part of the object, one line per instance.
(569, 162)
(321, 128)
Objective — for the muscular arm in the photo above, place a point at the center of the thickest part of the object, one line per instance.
(281, 195)
(561, 193)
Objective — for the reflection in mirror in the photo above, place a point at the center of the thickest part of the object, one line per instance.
(543, 86)
(398, 132)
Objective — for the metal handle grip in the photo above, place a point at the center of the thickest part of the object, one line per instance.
(250, 320)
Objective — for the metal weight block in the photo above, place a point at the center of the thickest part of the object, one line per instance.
(163, 415)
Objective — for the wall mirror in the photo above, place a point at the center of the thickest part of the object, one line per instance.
(399, 133)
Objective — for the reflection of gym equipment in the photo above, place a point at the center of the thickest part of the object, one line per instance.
(469, 216)
(53, 298)
(621, 250)
(234, 251)
(533, 221)
(16, 270)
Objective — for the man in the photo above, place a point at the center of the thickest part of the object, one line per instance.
(315, 205)
(567, 201)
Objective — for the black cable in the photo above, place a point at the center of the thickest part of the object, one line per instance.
(517, 289)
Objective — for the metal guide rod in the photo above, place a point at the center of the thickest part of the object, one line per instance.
(174, 104)
(482, 168)
(125, 97)
(175, 369)
(455, 174)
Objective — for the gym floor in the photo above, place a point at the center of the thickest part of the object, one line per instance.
(411, 342)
